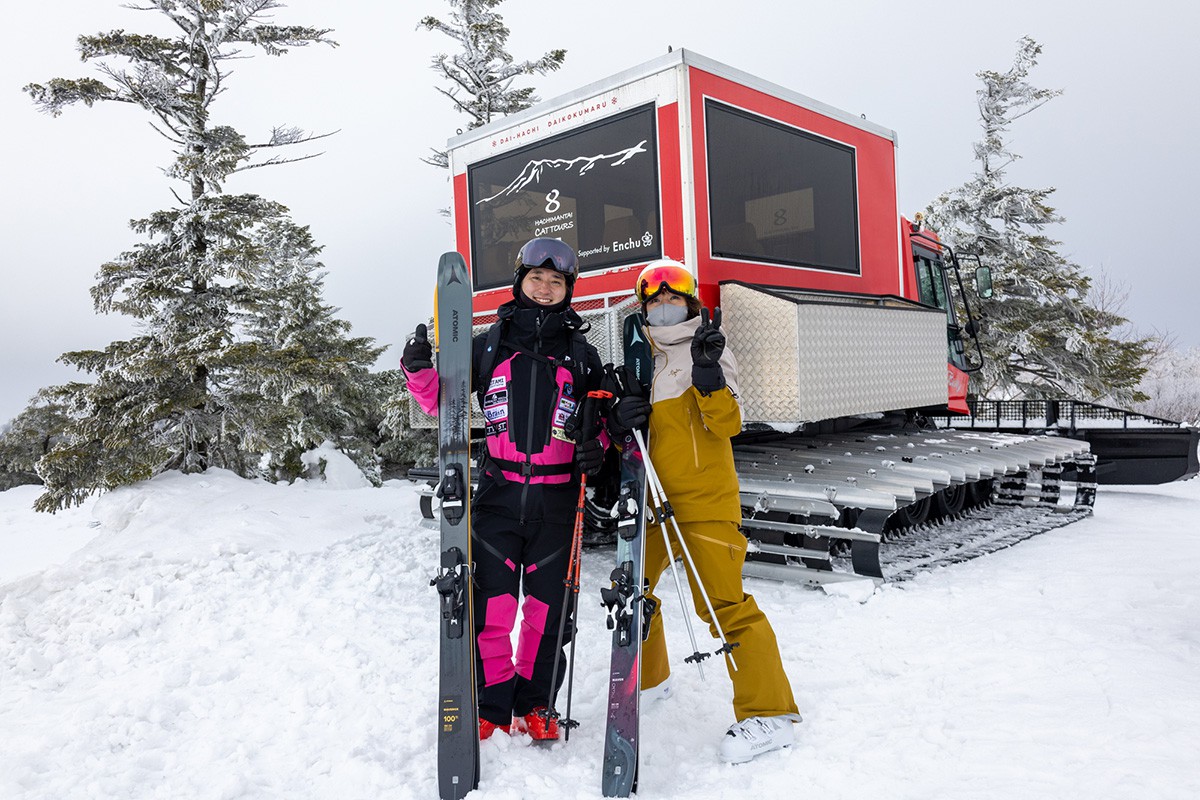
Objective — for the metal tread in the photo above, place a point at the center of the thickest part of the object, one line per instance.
(974, 533)
(970, 534)
(1031, 492)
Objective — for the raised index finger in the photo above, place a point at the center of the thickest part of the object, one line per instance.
(716, 318)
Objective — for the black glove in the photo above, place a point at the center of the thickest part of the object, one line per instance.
(708, 342)
(418, 353)
(630, 410)
(707, 346)
(589, 457)
(628, 413)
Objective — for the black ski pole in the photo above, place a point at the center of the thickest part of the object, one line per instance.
(550, 711)
(590, 420)
(571, 582)
(573, 587)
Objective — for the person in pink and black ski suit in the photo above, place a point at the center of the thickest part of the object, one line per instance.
(531, 372)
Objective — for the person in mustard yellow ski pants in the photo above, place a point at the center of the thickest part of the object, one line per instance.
(760, 686)
(692, 414)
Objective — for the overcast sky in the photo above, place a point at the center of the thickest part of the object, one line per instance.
(1120, 145)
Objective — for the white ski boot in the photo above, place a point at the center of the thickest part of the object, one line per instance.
(656, 693)
(754, 736)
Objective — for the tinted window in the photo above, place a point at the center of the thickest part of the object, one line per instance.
(596, 188)
(930, 285)
(932, 291)
(779, 194)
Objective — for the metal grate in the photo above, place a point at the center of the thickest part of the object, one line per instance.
(1066, 414)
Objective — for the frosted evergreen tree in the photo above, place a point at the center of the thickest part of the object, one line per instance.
(479, 78)
(401, 444)
(27, 438)
(1173, 385)
(1044, 337)
(178, 394)
(304, 379)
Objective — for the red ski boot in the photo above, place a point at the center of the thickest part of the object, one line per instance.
(538, 725)
(486, 729)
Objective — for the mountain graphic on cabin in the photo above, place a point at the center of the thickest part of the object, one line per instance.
(534, 170)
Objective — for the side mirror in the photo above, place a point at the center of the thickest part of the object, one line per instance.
(983, 282)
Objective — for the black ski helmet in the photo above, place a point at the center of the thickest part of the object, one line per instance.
(547, 253)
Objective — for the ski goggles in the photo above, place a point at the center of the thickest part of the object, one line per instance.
(673, 277)
(548, 253)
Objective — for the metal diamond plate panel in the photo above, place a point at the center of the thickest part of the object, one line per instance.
(762, 333)
(804, 361)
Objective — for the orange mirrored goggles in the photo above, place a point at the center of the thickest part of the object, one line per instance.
(667, 276)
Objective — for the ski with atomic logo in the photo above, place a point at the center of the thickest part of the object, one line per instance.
(458, 715)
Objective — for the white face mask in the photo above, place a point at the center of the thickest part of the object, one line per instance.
(663, 315)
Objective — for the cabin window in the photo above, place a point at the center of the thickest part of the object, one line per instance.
(933, 290)
(778, 194)
(595, 187)
(931, 286)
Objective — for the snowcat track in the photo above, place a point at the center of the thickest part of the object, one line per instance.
(888, 506)
(977, 532)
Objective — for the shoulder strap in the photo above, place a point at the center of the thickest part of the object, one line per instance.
(579, 359)
(491, 349)
(579, 370)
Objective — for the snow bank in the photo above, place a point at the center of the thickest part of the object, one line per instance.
(219, 638)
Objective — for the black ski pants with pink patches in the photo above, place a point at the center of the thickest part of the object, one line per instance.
(515, 559)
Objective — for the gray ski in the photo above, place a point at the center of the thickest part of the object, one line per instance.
(458, 715)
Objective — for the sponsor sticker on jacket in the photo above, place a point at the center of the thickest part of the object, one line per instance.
(493, 399)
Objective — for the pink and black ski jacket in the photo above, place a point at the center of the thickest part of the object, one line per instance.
(530, 399)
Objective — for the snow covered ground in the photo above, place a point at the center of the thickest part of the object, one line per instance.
(208, 637)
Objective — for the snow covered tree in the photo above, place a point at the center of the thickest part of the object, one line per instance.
(304, 377)
(1044, 336)
(1172, 384)
(480, 77)
(189, 392)
(401, 445)
(27, 438)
